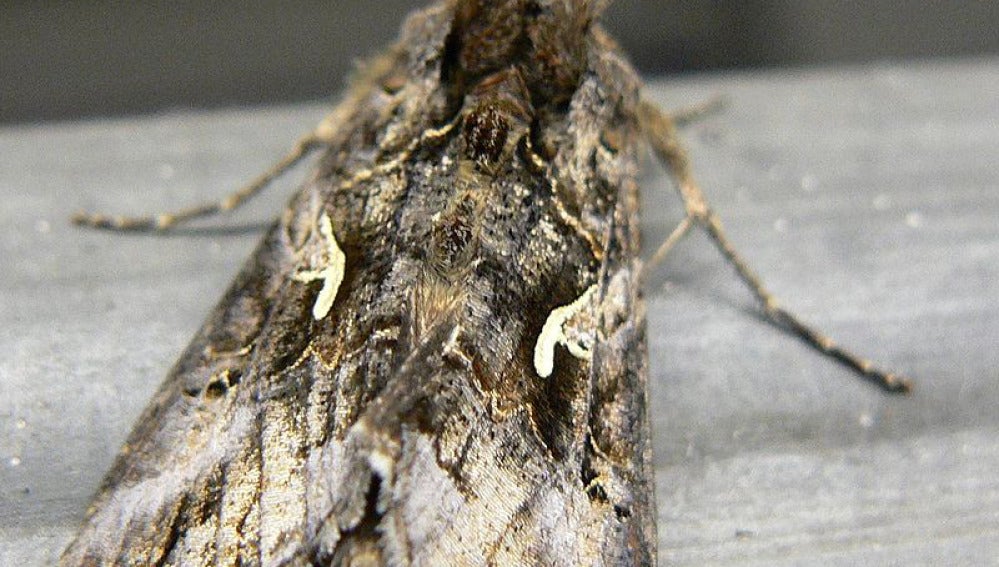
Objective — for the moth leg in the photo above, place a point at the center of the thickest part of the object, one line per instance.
(689, 115)
(661, 132)
(302, 148)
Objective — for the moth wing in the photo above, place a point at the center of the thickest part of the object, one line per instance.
(190, 485)
(435, 473)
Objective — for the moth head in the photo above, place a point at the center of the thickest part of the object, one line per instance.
(545, 39)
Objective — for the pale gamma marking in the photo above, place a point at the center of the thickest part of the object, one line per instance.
(332, 274)
(553, 334)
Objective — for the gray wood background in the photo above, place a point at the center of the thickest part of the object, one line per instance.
(64, 60)
(865, 196)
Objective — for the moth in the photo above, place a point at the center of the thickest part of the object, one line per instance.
(437, 355)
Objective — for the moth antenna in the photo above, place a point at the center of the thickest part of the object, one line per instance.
(660, 130)
(164, 221)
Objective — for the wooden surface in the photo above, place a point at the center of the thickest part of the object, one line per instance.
(866, 197)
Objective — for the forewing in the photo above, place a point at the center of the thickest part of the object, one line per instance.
(187, 485)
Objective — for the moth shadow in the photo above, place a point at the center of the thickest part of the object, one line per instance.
(726, 295)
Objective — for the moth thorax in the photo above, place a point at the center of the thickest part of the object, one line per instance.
(454, 236)
(486, 132)
(498, 114)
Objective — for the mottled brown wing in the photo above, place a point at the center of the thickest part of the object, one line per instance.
(225, 470)
(190, 477)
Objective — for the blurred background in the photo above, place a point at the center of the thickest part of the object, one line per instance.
(65, 60)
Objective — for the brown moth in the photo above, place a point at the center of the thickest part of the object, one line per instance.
(437, 355)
